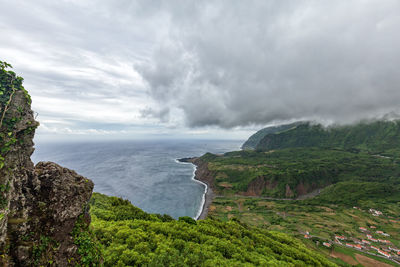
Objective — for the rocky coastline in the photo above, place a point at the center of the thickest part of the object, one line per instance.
(203, 175)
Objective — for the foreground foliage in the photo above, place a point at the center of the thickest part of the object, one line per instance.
(131, 237)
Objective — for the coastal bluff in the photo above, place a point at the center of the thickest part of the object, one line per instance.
(43, 208)
(204, 175)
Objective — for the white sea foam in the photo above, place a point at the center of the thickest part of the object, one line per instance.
(203, 199)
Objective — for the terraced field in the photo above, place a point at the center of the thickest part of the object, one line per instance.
(320, 222)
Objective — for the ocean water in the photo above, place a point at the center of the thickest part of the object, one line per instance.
(145, 172)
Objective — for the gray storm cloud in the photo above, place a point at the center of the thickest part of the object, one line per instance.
(238, 63)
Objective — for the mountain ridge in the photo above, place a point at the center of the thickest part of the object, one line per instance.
(254, 139)
(373, 137)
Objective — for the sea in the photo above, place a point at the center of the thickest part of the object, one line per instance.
(146, 172)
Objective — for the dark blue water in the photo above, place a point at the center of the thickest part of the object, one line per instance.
(145, 172)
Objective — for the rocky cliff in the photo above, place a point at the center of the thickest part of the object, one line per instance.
(42, 208)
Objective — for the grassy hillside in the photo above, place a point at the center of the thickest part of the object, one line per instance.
(363, 194)
(321, 221)
(289, 173)
(344, 172)
(374, 137)
(131, 237)
(253, 140)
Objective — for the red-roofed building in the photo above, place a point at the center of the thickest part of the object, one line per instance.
(307, 236)
(373, 247)
(384, 253)
(326, 244)
(340, 237)
(362, 228)
(366, 242)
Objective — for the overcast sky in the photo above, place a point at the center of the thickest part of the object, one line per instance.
(204, 69)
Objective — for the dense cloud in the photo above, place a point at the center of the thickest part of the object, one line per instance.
(141, 66)
(237, 63)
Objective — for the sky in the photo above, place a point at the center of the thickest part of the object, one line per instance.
(201, 69)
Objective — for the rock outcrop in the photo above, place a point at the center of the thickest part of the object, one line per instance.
(41, 206)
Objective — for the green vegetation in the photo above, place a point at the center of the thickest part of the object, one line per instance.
(363, 194)
(355, 254)
(253, 140)
(330, 171)
(374, 137)
(88, 248)
(131, 237)
(291, 172)
(296, 217)
(10, 84)
(42, 252)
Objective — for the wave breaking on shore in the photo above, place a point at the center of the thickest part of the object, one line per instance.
(203, 198)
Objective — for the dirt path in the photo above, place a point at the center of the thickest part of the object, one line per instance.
(310, 195)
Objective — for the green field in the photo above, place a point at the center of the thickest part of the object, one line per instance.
(322, 222)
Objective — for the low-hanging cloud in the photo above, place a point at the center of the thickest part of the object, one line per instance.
(239, 63)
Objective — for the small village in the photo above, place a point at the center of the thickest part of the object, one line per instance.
(375, 242)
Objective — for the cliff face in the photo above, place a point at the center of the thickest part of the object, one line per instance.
(39, 205)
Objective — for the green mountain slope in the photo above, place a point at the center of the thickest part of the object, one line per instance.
(253, 140)
(293, 172)
(317, 181)
(373, 137)
(364, 194)
(131, 237)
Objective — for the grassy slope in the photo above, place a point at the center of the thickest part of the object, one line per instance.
(297, 217)
(132, 237)
(253, 140)
(374, 137)
(360, 162)
(310, 167)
